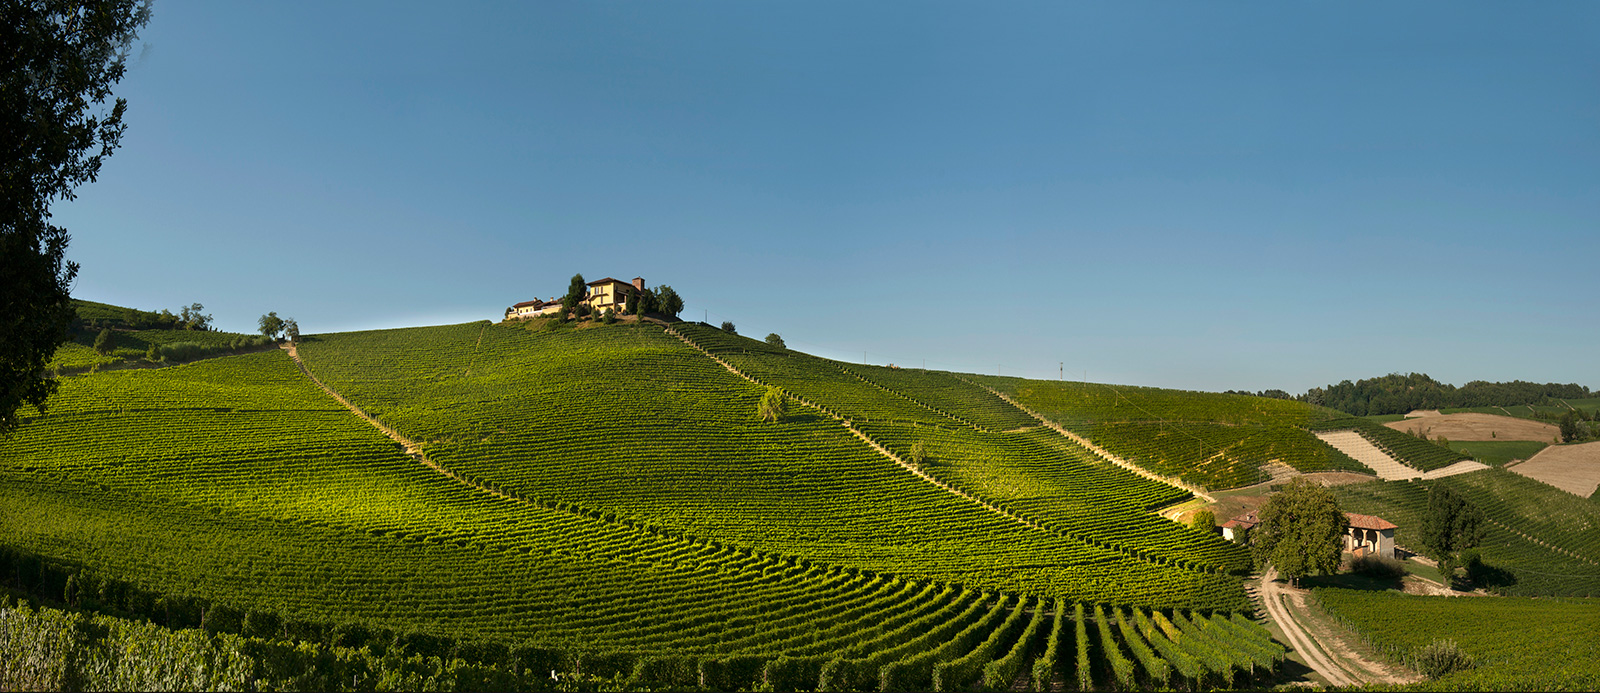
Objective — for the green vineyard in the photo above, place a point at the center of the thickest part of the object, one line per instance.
(647, 531)
(1540, 541)
(1216, 441)
(1517, 644)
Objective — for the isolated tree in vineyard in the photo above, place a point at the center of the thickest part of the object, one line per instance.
(775, 340)
(1449, 527)
(271, 325)
(1301, 530)
(727, 326)
(773, 405)
(1205, 521)
(102, 343)
(292, 328)
(58, 62)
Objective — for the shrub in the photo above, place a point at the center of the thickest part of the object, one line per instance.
(919, 453)
(1378, 567)
(102, 343)
(153, 354)
(1441, 657)
(221, 618)
(262, 624)
(607, 317)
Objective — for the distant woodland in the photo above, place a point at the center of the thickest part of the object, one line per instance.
(1398, 394)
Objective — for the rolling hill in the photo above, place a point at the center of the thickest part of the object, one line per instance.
(461, 504)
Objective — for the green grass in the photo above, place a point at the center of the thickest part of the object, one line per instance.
(1498, 453)
(1519, 643)
(1385, 418)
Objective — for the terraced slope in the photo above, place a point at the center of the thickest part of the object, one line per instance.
(568, 416)
(1541, 541)
(1212, 440)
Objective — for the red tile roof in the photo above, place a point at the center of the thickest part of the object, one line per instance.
(1246, 520)
(1369, 522)
(535, 303)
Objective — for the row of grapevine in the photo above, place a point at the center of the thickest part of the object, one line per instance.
(1540, 541)
(1059, 484)
(236, 483)
(1518, 644)
(564, 416)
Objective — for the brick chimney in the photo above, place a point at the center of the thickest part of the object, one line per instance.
(638, 283)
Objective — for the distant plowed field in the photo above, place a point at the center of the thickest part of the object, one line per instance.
(1475, 427)
(1571, 468)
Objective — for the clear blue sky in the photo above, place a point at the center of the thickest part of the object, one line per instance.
(1195, 195)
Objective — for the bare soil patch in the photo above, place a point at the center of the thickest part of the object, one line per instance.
(1571, 468)
(1470, 426)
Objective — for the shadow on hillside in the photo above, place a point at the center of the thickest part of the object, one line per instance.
(1353, 581)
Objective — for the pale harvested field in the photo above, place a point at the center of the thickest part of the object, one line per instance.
(1571, 468)
(1468, 426)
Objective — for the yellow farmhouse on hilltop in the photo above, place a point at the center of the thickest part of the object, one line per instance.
(603, 294)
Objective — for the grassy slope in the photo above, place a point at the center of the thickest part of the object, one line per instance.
(1523, 506)
(1498, 452)
(631, 421)
(1519, 643)
(1214, 440)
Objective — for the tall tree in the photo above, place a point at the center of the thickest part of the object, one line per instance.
(668, 301)
(1301, 530)
(271, 325)
(102, 343)
(292, 329)
(577, 288)
(58, 62)
(1449, 527)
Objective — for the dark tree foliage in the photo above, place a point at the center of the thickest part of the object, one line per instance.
(1569, 428)
(1450, 527)
(775, 340)
(58, 62)
(577, 289)
(648, 302)
(1301, 530)
(102, 343)
(728, 327)
(668, 301)
(271, 325)
(1398, 394)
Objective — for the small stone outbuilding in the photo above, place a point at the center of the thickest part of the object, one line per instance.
(1366, 535)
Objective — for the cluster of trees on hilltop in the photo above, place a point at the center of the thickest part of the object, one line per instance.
(190, 317)
(1398, 394)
